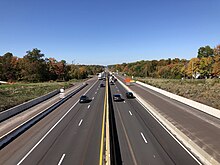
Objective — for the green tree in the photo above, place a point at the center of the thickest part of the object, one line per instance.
(206, 51)
(34, 67)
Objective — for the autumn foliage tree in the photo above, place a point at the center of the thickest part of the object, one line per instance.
(206, 65)
(34, 67)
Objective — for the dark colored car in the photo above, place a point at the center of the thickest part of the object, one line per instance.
(117, 97)
(84, 99)
(102, 85)
(129, 95)
(112, 83)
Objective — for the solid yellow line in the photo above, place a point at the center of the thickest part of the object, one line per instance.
(103, 124)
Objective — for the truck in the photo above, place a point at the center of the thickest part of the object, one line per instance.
(101, 75)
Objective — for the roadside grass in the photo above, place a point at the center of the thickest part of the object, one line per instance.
(15, 94)
(206, 91)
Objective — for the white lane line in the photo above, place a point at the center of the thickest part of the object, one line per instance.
(46, 134)
(51, 129)
(143, 137)
(80, 122)
(60, 162)
(93, 98)
(88, 106)
(130, 113)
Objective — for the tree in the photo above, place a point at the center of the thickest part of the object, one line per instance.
(205, 66)
(34, 67)
(193, 67)
(206, 51)
(217, 50)
(216, 66)
(8, 67)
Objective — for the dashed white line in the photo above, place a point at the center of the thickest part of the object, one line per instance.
(29, 152)
(143, 137)
(93, 98)
(80, 122)
(130, 113)
(88, 106)
(61, 160)
(46, 135)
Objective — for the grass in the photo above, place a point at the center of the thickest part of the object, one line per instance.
(203, 91)
(14, 94)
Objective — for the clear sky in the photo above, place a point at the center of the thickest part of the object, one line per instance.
(109, 31)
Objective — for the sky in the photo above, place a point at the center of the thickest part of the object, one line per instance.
(106, 32)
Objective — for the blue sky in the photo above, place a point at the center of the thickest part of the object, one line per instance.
(109, 31)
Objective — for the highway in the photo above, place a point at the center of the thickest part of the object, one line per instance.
(71, 134)
(138, 135)
(201, 128)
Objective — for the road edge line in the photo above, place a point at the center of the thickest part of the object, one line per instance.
(192, 148)
(102, 135)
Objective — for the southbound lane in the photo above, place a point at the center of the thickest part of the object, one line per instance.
(201, 128)
(72, 137)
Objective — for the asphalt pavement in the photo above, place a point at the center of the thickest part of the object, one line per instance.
(71, 134)
(142, 140)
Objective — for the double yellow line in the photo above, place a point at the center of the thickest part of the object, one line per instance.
(105, 119)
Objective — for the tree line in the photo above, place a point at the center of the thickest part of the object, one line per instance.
(34, 67)
(205, 65)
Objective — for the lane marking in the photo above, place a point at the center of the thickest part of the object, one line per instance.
(103, 125)
(130, 113)
(46, 134)
(143, 137)
(51, 129)
(60, 162)
(146, 107)
(95, 92)
(127, 138)
(93, 98)
(88, 106)
(80, 122)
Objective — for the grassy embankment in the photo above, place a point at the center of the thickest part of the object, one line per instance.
(203, 91)
(14, 94)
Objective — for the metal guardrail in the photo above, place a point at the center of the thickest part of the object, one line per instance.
(7, 138)
(24, 106)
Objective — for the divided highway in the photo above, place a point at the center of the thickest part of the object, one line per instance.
(72, 133)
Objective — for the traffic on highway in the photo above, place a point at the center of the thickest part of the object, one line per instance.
(74, 129)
